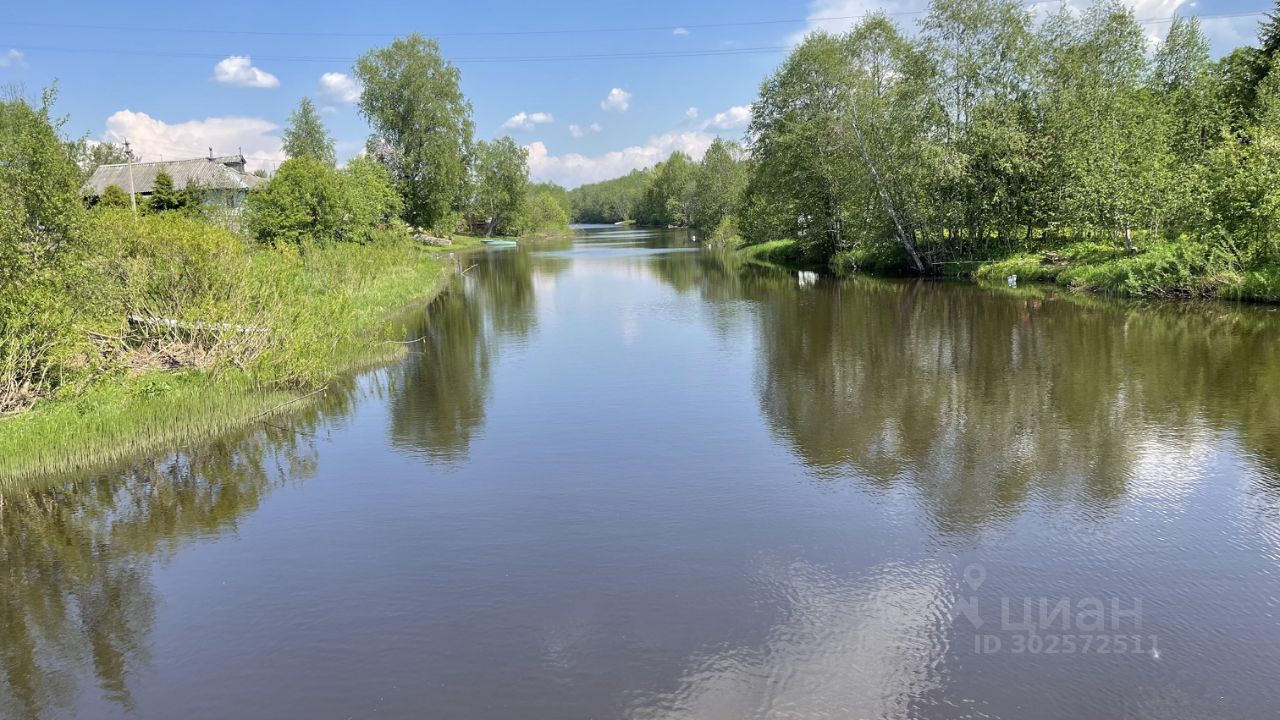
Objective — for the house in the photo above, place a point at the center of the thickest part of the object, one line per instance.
(222, 178)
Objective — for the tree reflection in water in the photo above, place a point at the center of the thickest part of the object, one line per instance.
(76, 596)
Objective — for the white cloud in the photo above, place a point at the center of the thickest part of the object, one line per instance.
(691, 113)
(155, 139)
(13, 58)
(527, 121)
(680, 31)
(238, 70)
(574, 169)
(618, 100)
(735, 117)
(837, 16)
(340, 87)
(578, 131)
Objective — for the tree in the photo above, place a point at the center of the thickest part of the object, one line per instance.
(92, 155)
(667, 199)
(305, 201)
(501, 176)
(370, 198)
(1181, 75)
(165, 196)
(422, 125)
(41, 210)
(307, 136)
(718, 185)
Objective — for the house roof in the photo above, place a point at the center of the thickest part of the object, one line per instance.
(213, 173)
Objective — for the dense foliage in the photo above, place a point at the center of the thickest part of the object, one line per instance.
(422, 126)
(984, 135)
(500, 174)
(609, 201)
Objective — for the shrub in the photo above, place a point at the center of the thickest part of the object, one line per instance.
(875, 258)
(545, 209)
(305, 201)
(167, 265)
(114, 196)
(725, 233)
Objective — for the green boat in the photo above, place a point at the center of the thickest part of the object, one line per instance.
(499, 243)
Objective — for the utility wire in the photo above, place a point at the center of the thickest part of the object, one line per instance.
(485, 59)
(509, 33)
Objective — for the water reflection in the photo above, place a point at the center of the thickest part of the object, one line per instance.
(76, 597)
(667, 484)
(979, 399)
(438, 399)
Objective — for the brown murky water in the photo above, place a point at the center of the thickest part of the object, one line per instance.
(624, 479)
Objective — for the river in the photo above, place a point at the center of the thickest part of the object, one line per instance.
(623, 477)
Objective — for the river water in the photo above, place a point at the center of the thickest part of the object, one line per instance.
(621, 477)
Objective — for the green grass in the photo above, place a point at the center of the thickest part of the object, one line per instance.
(1159, 269)
(125, 416)
(775, 252)
(328, 310)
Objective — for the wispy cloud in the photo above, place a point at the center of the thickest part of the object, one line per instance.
(527, 121)
(239, 70)
(578, 131)
(618, 100)
(340, 87)
(680, 31)
(691, 113)
(13, 58)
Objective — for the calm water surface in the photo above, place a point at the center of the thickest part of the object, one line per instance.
(621, 478)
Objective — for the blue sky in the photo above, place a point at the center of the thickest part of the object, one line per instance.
(227, 74)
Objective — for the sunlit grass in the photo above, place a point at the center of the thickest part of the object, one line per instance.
(326, 310)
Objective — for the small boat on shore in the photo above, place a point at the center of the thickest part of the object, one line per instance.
(499, 243)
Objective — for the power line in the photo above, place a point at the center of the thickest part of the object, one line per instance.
(489, 59)
(510, 33)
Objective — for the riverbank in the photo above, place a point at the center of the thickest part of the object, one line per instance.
(325, 312)
(1157, 270)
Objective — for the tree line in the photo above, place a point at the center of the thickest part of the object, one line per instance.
(987, 135)
(677, 192)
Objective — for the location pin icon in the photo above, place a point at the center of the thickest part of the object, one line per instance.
(975, 574)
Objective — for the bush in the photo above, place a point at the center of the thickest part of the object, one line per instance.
(725, 233)
(877, 258)
(545, 210)
(305, 201)
(114, 196)
(372, 203)
(167, 265)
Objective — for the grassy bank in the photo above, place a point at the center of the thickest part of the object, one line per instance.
(1155, 270)
(317, 312)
